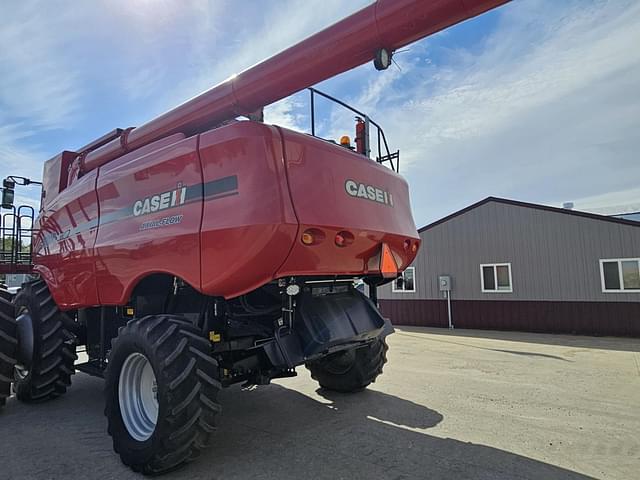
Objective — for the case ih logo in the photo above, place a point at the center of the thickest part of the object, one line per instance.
(362, 190)
(162, 201)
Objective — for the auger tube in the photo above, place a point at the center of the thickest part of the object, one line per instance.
(353, 41)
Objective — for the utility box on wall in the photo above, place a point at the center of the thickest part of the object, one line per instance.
(444, 283)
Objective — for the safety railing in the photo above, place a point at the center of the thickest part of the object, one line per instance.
(16, 230)
(384, 154)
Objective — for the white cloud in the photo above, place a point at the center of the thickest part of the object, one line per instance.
(38, 81)
(285, 113)
(40, 88)
(546, 111)
(225, 44)
(611, 203)
(18, 158)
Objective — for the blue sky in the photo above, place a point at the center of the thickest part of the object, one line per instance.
(536, 101)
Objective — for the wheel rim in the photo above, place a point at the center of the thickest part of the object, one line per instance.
(138, 397)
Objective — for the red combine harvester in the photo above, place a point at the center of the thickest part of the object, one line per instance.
(198, 251)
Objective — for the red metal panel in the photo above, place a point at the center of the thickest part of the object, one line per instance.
(132, 240)
(63, 247)
(319, 174)
(247, 231)
(236, 211)
(140, 152)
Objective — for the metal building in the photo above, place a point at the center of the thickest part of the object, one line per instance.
(521, 266)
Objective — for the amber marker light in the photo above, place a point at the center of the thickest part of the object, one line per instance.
(312, 236)
(345, 141)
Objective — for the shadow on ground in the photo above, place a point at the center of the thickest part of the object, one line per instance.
(267, 433)
(623, 344)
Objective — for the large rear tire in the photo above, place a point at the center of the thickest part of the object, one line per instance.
(54, 352)
(350, 370)
(8, 344)
(161, 393)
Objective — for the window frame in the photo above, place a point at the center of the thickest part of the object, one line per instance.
(620, 275)
(495, 277)
(393, 284)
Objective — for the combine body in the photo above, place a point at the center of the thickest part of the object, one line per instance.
(90, 233)
(224, 211)
(197, 251)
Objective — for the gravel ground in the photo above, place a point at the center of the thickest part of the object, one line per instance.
(462, 405)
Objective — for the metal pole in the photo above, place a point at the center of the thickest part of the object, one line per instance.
(373, 294)
(313, 115)
(367, 148)
(449, 309)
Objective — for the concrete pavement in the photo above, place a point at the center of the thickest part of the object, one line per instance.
(461, 404)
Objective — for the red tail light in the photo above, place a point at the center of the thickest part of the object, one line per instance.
(344, 238)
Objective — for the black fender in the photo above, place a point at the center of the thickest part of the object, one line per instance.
(324, 324)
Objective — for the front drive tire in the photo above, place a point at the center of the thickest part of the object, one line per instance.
(161, 388)
(350, 370)
(54, 348)
(8, 344)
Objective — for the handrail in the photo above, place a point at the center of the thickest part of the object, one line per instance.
(16, 230)
(382, 139)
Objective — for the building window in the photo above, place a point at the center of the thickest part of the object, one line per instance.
(406, 282)
(496, 277)
(620, 274)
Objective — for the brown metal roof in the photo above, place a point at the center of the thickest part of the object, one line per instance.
(535, 206)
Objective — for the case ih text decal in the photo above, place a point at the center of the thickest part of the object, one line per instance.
(369, 192)
(162, 201)
(181, 195)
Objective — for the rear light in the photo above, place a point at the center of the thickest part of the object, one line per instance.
(343, 238)
(410, 246)
(307, 238)
(388, 265)
(312, 236)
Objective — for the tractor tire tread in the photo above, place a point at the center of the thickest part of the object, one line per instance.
(368, 365)
(54, 346)
(183, 366)
(8, 344)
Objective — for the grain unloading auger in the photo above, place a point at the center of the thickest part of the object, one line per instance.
(197, 251)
